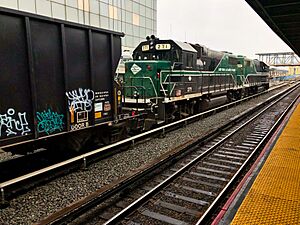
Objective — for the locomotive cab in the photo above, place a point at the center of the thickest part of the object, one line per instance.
(148, 71)
(180, 54)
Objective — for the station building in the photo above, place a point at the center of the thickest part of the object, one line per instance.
(136, 18)
(294, 70)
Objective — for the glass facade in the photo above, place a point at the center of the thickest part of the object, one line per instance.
(136, 18)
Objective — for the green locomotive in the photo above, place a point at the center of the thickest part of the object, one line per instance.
(170, 79)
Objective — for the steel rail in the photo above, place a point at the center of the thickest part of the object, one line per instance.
(133, 206)
(206, 216)
(77, 208)
(132, 140)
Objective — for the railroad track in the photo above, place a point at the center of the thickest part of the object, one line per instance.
(188, 186)
(20, 174)
(20, 165)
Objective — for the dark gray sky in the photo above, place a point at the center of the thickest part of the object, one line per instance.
(227, 25)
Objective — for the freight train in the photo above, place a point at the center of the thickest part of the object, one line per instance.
(170, 79)
(56, 82)
(58, 87)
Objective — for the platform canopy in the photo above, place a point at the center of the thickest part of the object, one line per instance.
(283, 16)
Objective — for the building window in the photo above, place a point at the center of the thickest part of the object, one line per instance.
(149, 23)
(142, 21)
(130, 41)
(136, 31)
(135, 7)
(143, 32)
(128, 18)
(135, 19)
(149, 3)
(129, 28)
(149, 13)
(128, 5)
(104, 22)
(94, 6)
(103, 9)
(113, 12)
(84, 5)
(142, 10)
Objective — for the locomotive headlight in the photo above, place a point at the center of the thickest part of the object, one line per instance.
(136, 94)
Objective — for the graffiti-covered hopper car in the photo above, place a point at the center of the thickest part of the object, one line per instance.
(55, 77)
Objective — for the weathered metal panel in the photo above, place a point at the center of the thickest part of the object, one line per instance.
(116, 53)
(103, 77)
(79, 92)
(48, 65)
(53, 76)
(15, 105)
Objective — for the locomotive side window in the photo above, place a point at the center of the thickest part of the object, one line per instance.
(176, 56)
(203, 51)
(233, 61)
(184, 58)
(189, 60)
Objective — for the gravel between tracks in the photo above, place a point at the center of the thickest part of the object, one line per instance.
(44, 200)
(6, 156)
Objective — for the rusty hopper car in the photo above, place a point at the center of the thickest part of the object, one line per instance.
(56, 79)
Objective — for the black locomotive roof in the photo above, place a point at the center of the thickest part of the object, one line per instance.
(185, 46)
(152, 42)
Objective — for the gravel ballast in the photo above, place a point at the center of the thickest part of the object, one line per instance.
(46, 199)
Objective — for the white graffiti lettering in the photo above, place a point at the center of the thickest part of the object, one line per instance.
(79, 126)
(13, 124)
(81, 100)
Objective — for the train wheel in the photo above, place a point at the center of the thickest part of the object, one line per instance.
(105, 138)
(204, 105)
(230, 96)
(78, 140)
(238, 94)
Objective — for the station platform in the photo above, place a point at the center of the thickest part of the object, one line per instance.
(270, 192)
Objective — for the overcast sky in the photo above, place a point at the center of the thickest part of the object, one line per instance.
(225, 25)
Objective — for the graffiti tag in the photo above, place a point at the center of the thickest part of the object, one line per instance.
(49, 121)
(13, 124)
(81, 100)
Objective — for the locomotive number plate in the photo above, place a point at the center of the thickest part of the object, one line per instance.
(145, 48)
(162, 46)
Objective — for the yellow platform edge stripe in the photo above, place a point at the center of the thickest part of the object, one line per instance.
(274, 197)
